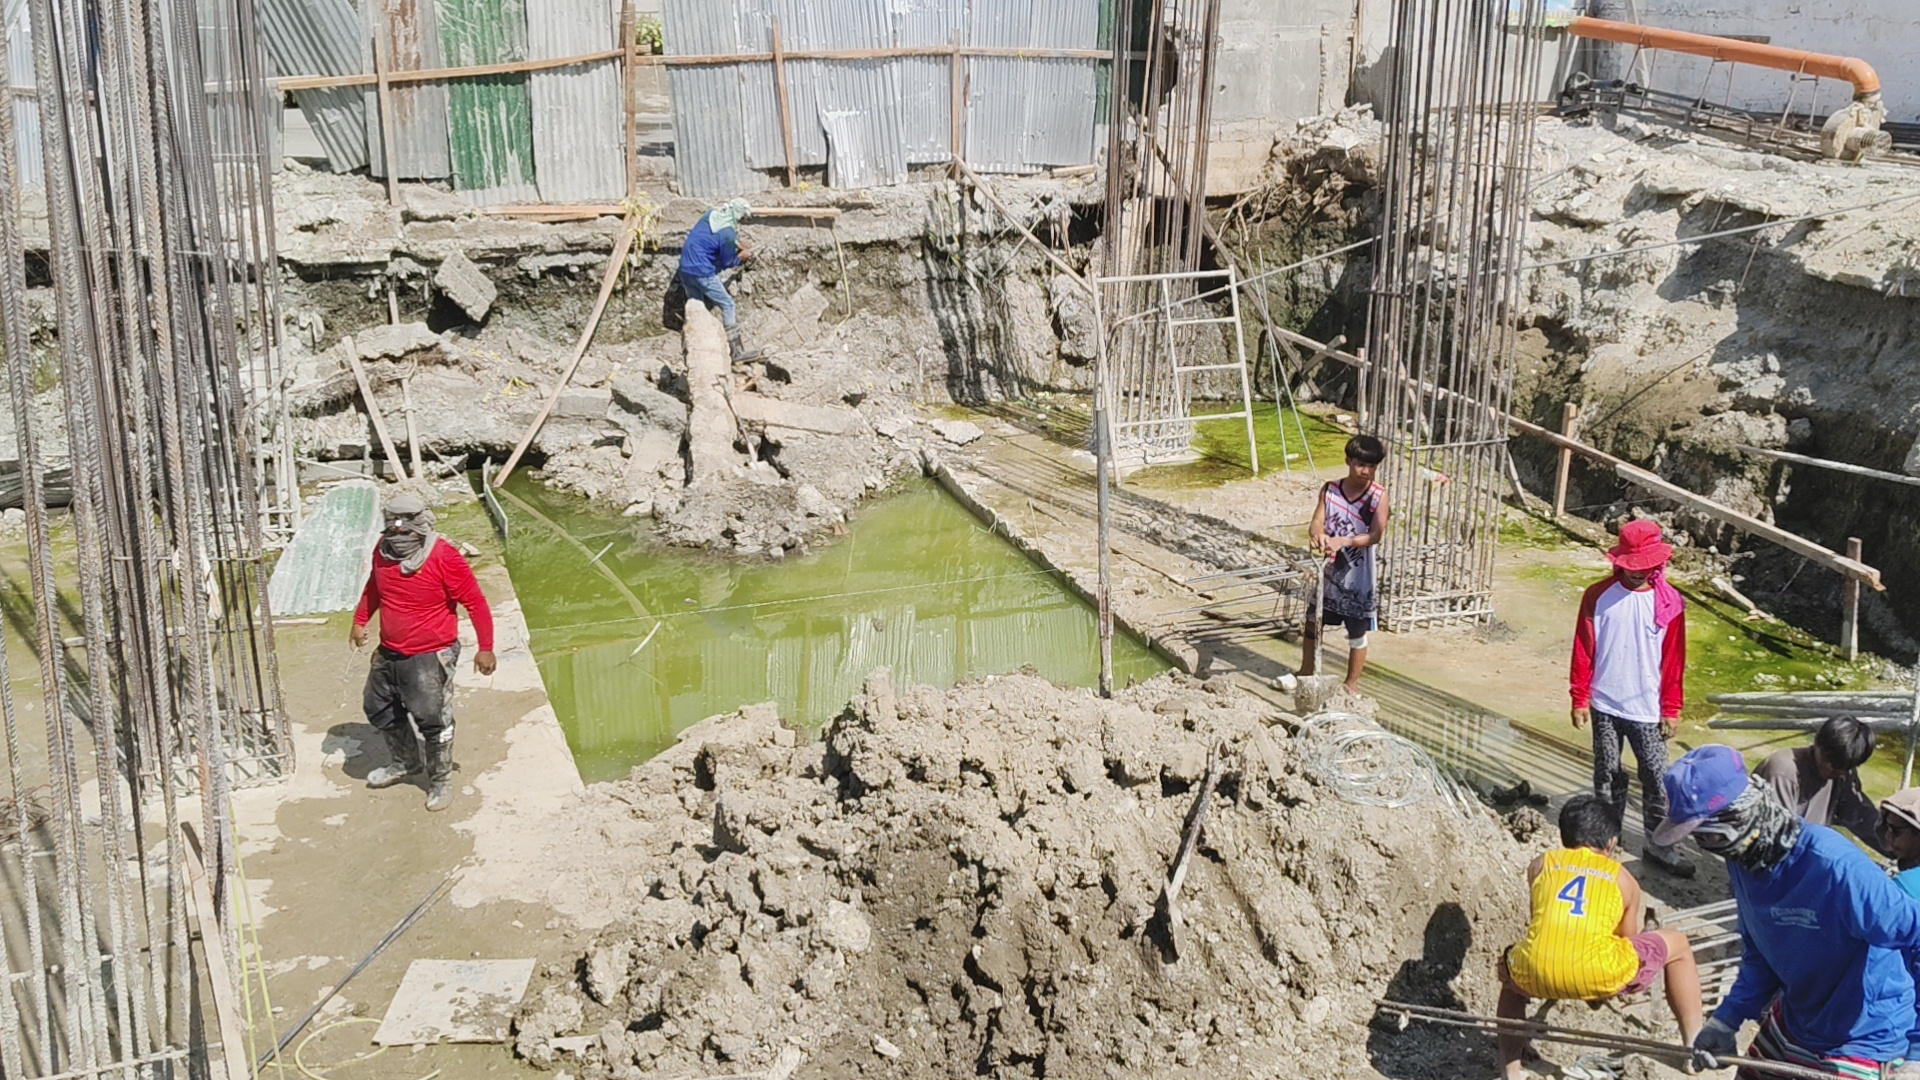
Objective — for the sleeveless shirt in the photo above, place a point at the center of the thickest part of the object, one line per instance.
(1571, 951)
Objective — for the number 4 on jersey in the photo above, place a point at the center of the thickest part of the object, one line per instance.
(1575, 894)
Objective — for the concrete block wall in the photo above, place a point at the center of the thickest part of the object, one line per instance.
(1279, 61)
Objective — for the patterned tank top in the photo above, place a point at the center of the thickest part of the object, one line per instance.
(1350, 574)
(1571, 951)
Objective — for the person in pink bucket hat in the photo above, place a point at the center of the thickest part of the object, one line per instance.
(1628, 677)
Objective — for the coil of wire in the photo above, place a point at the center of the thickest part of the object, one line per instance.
(1365, 763)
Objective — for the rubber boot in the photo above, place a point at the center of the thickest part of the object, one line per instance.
(439, 774)
(406, 759)
(737, 345)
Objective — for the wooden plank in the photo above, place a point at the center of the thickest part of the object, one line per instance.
(957, 106)
(786, 104)
(477, 71)
(1801, 546)
(629, 83)
(1570, 427)
(382, 64)
(614, 264)
(213, 946)
(373, 409)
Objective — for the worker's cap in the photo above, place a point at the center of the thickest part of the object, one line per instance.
(1903, 804)
(1698, 786)
(405, 506)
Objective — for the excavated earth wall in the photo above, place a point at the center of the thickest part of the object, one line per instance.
(965, 883)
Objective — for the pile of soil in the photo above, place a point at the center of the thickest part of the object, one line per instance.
(965, 883)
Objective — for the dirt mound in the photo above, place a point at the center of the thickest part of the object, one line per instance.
(965, 883)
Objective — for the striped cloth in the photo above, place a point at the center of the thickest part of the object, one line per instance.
(1772, 1044)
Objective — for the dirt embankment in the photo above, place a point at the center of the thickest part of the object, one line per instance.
(965, 883)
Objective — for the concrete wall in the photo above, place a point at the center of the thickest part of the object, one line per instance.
(1885, 33)
(1280, 60)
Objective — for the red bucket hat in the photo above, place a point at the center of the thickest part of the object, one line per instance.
(1640, 547)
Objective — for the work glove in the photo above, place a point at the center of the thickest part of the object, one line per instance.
(1714, 1041)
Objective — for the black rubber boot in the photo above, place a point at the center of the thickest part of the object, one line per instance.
(439, 774)
(737, 346)
(405, 750)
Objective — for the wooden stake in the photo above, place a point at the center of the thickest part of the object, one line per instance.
(213, 946)
(614, 263)
(786, 104)
(629, 75)
(413, 435)
(1570, 427)
(1850, 607)
(382, 61)
(373, 409)
(958, 134)
(1057, 261)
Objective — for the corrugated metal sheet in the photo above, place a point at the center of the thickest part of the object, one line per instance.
(325, 567)
(709, 145)
(419, 109)
(870, 120)
(574, 156)
(321, 37)
(26, 107)
(489, 120)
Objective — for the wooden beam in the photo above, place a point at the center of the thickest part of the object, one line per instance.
(629, 82)
(786, 105)
(373, 408)
(213, 947)
(614, 263)
(1059, 263)
(477, 71)
(1801, 546)
(957, 102)
(383, 94)
(1570, 427)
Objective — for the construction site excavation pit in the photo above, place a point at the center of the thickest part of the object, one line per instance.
(637, 640)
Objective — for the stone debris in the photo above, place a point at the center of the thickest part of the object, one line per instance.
(464, 283)
(964, 883)
(957, 432)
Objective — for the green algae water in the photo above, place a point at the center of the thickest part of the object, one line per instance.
(636, 640)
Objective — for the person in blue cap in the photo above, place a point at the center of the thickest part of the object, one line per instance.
(1822, 929)
(714, 246)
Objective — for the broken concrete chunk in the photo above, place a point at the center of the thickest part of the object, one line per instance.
(957, 432)
(884, 1048)
(420, 202)
(394, 341)
(637, 394)
(821, 419)
(894, 427)
(608, 967)
(460, 281)
(582, 403)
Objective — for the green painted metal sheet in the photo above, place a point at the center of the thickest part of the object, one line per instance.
(489, 120)
(325, 567)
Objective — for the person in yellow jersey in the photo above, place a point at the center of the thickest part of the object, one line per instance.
(1584, 941)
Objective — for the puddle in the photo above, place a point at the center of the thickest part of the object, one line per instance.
(637, 641)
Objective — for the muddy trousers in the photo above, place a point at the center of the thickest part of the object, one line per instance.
(1610, 771)
(408, 693)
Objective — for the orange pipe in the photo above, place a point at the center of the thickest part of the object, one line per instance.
(1856, 71)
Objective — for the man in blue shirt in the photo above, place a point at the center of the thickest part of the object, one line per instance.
(1821, 927)
(714, 246)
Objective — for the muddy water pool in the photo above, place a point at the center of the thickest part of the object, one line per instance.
(636, 640)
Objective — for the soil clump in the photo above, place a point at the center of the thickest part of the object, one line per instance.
(966, 883)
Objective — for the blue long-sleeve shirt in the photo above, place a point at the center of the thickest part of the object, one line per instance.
(1908, 881)
(1824, 929)
(707, 252)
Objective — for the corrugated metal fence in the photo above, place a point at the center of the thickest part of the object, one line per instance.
(869, 120)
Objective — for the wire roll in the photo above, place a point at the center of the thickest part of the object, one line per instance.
(1365, 763)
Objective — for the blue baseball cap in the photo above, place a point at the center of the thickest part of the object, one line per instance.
(1698, 786)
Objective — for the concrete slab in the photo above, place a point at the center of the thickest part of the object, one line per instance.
(468, 1001)
(820, 419)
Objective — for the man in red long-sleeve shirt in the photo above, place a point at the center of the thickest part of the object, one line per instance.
(415, 582)
(1628, 676)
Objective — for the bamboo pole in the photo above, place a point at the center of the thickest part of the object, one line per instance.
(1836, 466)
(1850, 607)
(373, 409)
(383, 93)
(629, 75)
(614, 263)
(786, 104)
(1570, 427)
